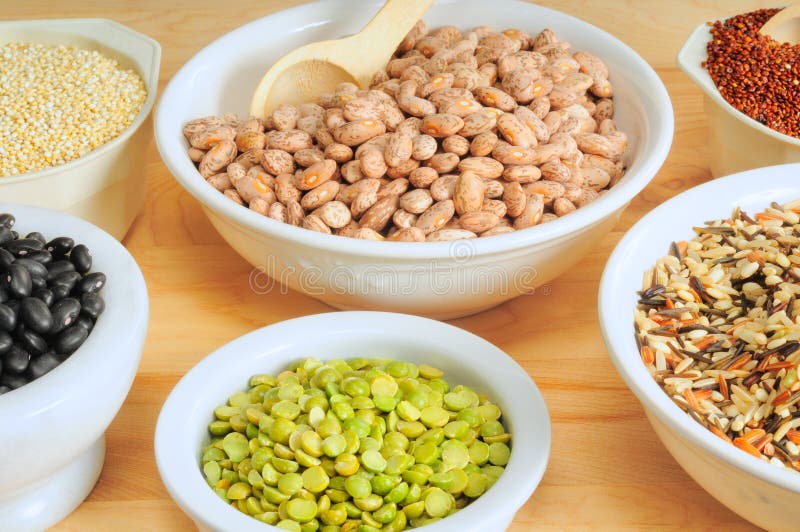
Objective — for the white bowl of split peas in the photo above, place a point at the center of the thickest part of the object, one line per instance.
(444, 279)
(182, 431)
(51, 167)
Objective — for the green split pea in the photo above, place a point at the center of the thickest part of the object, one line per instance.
(356, 445)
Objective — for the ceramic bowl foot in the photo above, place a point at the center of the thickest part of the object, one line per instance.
(46, 503)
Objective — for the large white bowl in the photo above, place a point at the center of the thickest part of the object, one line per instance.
(729, 129)
(107, 185)
(443, 280)
(182, 428)
(760, 492)
(51, 430)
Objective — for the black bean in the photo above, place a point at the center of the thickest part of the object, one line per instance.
(60, 357)
(18, 281)
(7, 220)
(8, 318)
(81, 258)
(13, 381)
(13, 304)
(35, 315)
(6, 258)
(32, 342)
(86, 322)
(56, 268)
(37, 283)
(43, 257)
(65, 312)
(6, 235)
(42, 364)
(5, 342)
(49, 302)
(69, 279)
(36, 269)
(60, 291)
(70, 339)
(92, 282)
(35, 235)
(45, 294)
(92, 305)
(60, 246)
(16, 360)
(23, 246)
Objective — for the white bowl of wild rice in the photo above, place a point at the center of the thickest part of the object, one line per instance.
(717, 380)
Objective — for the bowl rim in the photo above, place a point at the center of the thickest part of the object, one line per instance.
(691, 54)
(181, 472)
(172, 152)
(621, 352)
(152, 89)
(122, 324)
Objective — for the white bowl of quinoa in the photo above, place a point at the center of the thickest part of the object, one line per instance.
(76, 97)
(699, 311)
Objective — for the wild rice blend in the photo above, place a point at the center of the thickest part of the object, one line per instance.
(718, 327)
(758, 76)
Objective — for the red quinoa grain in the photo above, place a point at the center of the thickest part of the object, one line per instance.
(758, 76)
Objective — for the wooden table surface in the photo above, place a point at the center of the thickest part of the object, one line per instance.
(607, 468)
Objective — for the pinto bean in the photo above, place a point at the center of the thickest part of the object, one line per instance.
(462, 134)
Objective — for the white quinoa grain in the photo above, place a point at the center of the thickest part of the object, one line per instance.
(58, 103)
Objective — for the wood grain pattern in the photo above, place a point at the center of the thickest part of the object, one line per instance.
(607, 471)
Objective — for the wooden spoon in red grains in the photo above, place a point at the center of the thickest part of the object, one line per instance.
(784, 26)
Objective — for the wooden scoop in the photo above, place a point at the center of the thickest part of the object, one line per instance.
(784, 26)
(308, 72)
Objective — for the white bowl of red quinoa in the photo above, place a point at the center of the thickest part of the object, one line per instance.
(753, 121)
(84, 152)
(765, 493)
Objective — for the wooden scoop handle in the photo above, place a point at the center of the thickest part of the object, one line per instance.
(785, 25)
(387, 29)
(395, 19)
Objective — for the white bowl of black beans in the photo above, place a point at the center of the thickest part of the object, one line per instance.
(73, 318)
